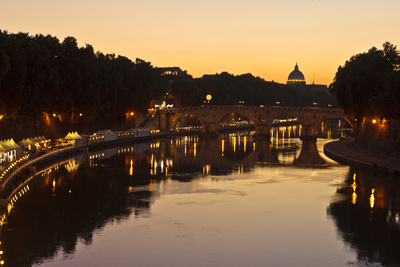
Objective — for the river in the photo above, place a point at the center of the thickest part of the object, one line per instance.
(230, 200)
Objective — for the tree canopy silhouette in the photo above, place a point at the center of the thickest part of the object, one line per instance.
(369, 83)
(41, 74)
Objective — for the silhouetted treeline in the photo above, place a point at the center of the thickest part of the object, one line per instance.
(369, 84)
(227, 89)
(41, 74)
(51, 87)
(245, 89)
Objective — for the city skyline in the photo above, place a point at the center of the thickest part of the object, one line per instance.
(265, 38)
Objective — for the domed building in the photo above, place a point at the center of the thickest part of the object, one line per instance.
(296, 77)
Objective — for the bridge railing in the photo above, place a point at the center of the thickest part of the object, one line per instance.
(214, 107)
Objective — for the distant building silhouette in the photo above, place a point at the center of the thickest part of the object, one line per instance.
(296, 77)
(175, 71)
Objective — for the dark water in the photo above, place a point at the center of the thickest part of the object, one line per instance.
(188, 201)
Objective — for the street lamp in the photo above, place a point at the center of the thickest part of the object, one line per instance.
(208, 99)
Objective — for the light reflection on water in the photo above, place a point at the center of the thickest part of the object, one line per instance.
(229, 201)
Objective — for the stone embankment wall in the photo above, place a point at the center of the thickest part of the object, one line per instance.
(380, 136)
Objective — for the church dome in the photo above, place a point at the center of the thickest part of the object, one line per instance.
(296, 77)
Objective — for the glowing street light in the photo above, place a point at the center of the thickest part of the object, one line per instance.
(208, 99)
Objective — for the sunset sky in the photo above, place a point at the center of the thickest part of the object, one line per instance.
(262, 37)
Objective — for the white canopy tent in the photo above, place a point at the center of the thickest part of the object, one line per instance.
(9, 150)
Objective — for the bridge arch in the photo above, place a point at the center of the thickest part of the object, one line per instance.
(311, 120)
(344, 118)
(236, 116)
(333, 123)
(182, 118)
(267, 116)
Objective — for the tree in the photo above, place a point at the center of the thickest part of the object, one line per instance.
(366, 84)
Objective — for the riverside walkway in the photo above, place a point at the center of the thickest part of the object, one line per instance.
(345, 152)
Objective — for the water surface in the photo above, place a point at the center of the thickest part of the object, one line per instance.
(188, 201)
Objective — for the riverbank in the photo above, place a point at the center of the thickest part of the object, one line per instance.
(345, 152)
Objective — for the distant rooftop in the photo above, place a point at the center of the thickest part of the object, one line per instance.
(172, 71)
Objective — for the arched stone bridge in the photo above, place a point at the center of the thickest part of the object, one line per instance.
(262, 117)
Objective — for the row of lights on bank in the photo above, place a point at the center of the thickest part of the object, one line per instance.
(13, 165)
(10, 206)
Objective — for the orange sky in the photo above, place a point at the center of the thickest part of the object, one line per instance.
(262, 37)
